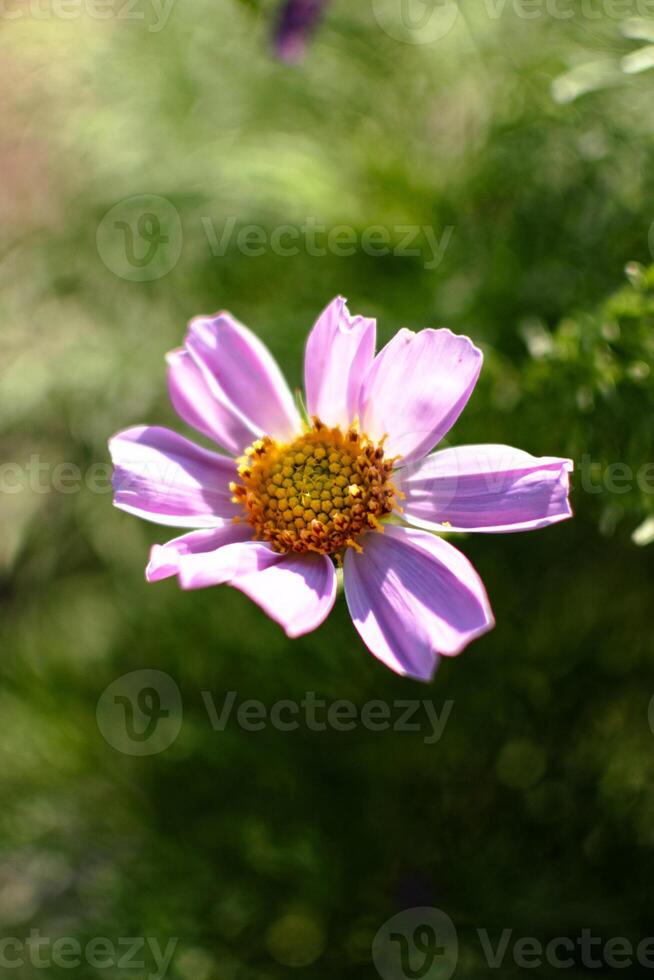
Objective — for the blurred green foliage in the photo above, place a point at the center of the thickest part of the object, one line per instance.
(269, 853)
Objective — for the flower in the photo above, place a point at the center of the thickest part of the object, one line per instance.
(297, 21)
(350, 485)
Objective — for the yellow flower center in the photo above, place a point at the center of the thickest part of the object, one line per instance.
(317, 493)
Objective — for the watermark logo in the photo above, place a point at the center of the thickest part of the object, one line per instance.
(140, 238)
(427, 21)
(316, 239)
(147, 954)
(416, 21)
(316, 714)
(417, 944)
(650, 714)
(140, 713)
(153, 14)
(422, 944)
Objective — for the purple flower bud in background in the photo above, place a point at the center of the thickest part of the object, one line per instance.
(297, 21)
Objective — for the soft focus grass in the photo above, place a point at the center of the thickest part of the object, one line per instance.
(536, 809)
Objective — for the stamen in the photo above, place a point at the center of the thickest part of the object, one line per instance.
(317, 493)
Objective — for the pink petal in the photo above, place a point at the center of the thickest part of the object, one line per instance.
(416, 389)
(246, 373)
(200, 402)
(201, 570)
(165, 558)
(164, 478)
(485, 488)
(297, 591)
(412, 596)
(339, 352)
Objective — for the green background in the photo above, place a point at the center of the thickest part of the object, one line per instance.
(272, 854)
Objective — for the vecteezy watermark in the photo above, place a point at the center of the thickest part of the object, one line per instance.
(416, 21)
(618, 478)
(153, 13)
(422, 944)
(144, 953)
(319, 715)
(318, 240)
(44, 476)
(141, 714)
(564, 952)
(140, 238)
(418, 943)
(41, 476)
(427, 21)
(650, 714)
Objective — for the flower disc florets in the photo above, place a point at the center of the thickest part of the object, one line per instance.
(317, 493)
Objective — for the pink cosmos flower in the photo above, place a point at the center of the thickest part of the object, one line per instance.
(350, 486)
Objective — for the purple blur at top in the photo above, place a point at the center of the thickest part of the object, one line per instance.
(297, 21)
